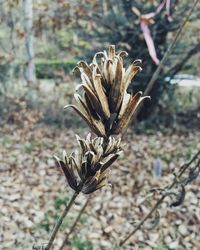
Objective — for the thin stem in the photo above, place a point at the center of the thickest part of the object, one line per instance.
(182, 170)
(185, 166)
(142, 222)
(60, 220)
(74, 224)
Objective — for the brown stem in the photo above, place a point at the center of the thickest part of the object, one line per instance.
(185, 166)
(60, 220)
(182, 170)
(176, 68)
(74, 224)
(142, 222)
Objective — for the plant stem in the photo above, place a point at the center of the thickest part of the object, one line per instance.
(142, 222)
(74, 224)
(60, 220)
(183, 168)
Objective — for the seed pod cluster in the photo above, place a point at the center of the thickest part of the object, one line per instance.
(87, 169)
(102, 97)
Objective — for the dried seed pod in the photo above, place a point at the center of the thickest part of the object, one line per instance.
(87, 169)
(106, 106)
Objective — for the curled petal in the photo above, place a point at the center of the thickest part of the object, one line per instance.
(115, 96)
(110, 161)
(111, 52)
(95, 125)
(86, 69)
(122, 54)
(131, 71)
(123, 121)
(69, 174)
(108, 72)
(101, 96)
(125, 103)
(94, 100)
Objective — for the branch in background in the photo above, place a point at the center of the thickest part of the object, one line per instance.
(74, 224)
(169, 51)
(174, 70)
(167, 54)
(147, 19)
(168, 191)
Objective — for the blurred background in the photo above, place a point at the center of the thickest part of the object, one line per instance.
(40, 44)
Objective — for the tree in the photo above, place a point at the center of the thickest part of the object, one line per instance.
(29, 38)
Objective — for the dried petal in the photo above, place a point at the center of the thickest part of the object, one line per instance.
(110, 161)
(68, 174)
(123, 121)
(116, 93)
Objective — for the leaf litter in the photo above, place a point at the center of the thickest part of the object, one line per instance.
(30, 183)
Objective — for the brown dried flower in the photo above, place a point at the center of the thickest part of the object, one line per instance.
(106, 105)
(87, 170)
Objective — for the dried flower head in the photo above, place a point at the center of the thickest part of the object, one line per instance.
(87, 170)
(105, 104)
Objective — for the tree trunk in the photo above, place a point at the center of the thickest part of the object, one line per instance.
(29, 37)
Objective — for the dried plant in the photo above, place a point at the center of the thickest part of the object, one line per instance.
(87, 170)
(105, 104)
(107, 107)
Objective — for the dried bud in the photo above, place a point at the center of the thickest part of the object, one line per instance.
(105, 105)
(87, 170)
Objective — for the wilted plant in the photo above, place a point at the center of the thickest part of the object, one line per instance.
(105, 104)
(107, 107)
(87, 170)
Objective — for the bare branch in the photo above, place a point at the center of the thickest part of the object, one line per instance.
(183, 168)
(179, 65)
(74, 224)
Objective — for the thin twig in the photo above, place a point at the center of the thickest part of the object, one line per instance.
(74, 224)
(60, 220)
(176, 68)
(166, 55)
(185, 166)
(182, 170)
(142, 222)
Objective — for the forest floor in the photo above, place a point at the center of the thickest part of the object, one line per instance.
(33, 191)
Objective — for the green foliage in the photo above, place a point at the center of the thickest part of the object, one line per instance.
(28, 147)
(59, 201)
(46, 222)
(64, 38)
(46, 70)
(83, 218)
(161, 247)
(81, 245)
